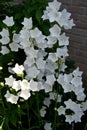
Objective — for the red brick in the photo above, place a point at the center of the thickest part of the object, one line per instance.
(81, 25)
(65, 1)
(76, 9)
(83, 2)
(82, 18)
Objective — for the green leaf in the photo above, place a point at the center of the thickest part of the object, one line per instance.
(38, 15)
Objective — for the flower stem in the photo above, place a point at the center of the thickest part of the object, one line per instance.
(28, 114)
(38, 110)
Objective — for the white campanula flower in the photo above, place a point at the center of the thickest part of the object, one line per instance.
(16, 38)
(61, 110)
(5, 40)
(27, 23)
(18, 69)
(4, 33)
(55, 31)
(51, 41)
(33, 85)
(52, 11)
(25, 84)
(29, 62)
(4, 50)
(62, 52)
(55, 5)
(14, 46)
(76, 81)
(31, 52)
(63, 40)
(84, 105)
(52, 57)
(52, 95)
(77, 72)
(53, 16)
(16, 85)
(25, 94)
(35, 33)
(40, 63)
(50, 79)
(24, 34)
(64, 20)
(32, 72)
(50, 66)
(43, 111)
(9, 81)
(47, 126)
(48, 88)
(69, 119)
(72, 105)
(47, 102)
(8, 21)
(11, 98)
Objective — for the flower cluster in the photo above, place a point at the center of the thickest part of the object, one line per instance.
(44, 66)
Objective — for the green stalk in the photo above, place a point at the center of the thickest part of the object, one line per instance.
(5, 115)
(28, 114)
(38, 109)
(20, 121)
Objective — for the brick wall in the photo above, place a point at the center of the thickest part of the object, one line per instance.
(78, 35)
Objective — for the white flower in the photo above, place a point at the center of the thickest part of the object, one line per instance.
(25, 84)
(47, 102)
(47, 88)
(8, 21)
(61, 110)
(16, 85)
(63, 40)
(84, 105)
(33, 85)
(43, 111)
(4, 40)
(69, 119)
(24, 94)
(9, 81)
(76, 72)
(62, 52)
(76, 81)
(32, 72)
(47, 126)
(50, 79)
(4, 50)
(55, 5)
(18, 69)
(51, 41)
(50, 66)
(52, 57)
(16, 38)
(31, 52)
(14, 46)
(27, 23)
(11, 98)
(29, 62)
(40, 63)
(4, 33)
(24, 34)
(35, 33)
(54, 15)
(55, 31)
(52, 95)
(64, 20)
